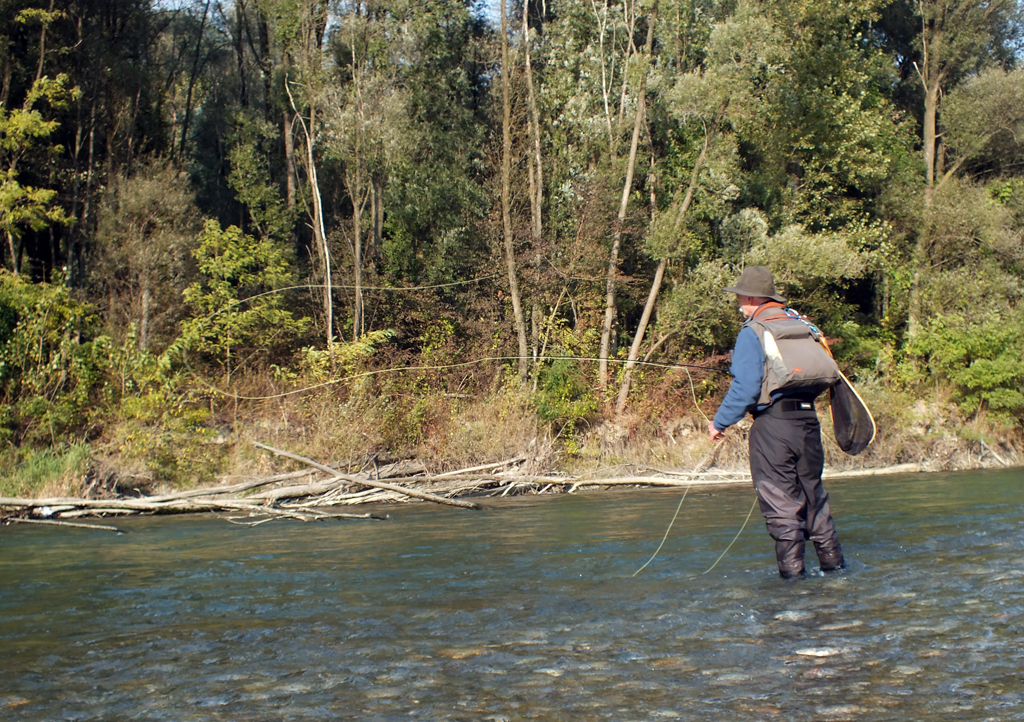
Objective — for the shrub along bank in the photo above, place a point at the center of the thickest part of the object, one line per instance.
(83, 412)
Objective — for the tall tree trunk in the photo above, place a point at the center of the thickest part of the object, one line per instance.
(630, 19)
(193, 77)
(14, 252)
(87, 203)
(506, 193)
(932, 75)
(288, 132)
(358, 203)
(290, 170)
(930, 135)
(920, 259)
(627, 186)
(536, 162)
(243, 91)
(265, 61)
(602, 23)
(5, 82)
(319, 232)
(377, 210)
(42, 42)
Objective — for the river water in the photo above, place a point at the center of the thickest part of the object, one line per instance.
(528, 611)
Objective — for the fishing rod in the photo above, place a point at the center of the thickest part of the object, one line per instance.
(537, 360)
(433, 367)
(658, 364)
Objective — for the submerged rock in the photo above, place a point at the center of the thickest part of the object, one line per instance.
(793, 616)
(820, 651)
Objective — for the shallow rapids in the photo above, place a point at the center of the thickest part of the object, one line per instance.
(528, 611)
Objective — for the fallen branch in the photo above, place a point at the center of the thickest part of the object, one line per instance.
(992, 451)
(482, 467)
(291, 492)
(366, 482)
(68, 523)
(75, 513)
(232, 489)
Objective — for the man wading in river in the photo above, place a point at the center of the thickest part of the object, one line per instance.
(779, 388)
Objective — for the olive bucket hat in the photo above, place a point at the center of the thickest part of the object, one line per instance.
(756, 281)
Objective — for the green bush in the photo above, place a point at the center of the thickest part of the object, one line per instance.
(564, 398)
(982, 359)
(156, 419)
(166, 433)
(50, 364)
(237, 313)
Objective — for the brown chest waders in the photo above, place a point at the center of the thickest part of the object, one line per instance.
(786, 461)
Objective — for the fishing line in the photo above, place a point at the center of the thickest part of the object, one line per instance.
(694, 395)
(439, 367)
(696, 470)
(443, 367)
(685, 492)
(749, 513)
(674, 516)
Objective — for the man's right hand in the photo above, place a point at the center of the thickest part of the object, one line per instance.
(714, 433)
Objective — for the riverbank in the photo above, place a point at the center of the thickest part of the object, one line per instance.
(461, 445)
(317, 490)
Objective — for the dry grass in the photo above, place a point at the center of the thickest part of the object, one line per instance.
(353, 427)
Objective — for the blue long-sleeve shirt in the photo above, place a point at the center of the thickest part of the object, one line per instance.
(747, 371)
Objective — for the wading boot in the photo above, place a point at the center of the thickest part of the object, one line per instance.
(789, 555)
(790, 573)
(831, 559)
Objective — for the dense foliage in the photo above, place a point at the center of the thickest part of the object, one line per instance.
(207, 202)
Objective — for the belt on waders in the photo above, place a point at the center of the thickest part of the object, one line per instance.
(790, 408)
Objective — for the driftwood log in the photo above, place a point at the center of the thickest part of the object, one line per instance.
(338, 476)
(316, 492)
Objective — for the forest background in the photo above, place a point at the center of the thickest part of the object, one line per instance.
(366, 230)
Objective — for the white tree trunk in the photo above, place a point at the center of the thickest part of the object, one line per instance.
(627, 187)
(506, 193)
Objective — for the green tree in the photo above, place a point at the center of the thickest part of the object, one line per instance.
(25, 133)
(957, 38)
(238, 317)
(437, 196)
(366, 128)
(142, 254)
(252, 145)
(983, 119)
(51, 360)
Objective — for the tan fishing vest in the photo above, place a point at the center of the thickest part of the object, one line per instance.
(795, 357)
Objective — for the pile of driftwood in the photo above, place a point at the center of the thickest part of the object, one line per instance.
(316, 492)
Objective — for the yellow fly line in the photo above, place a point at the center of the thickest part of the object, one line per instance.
(463, 364)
